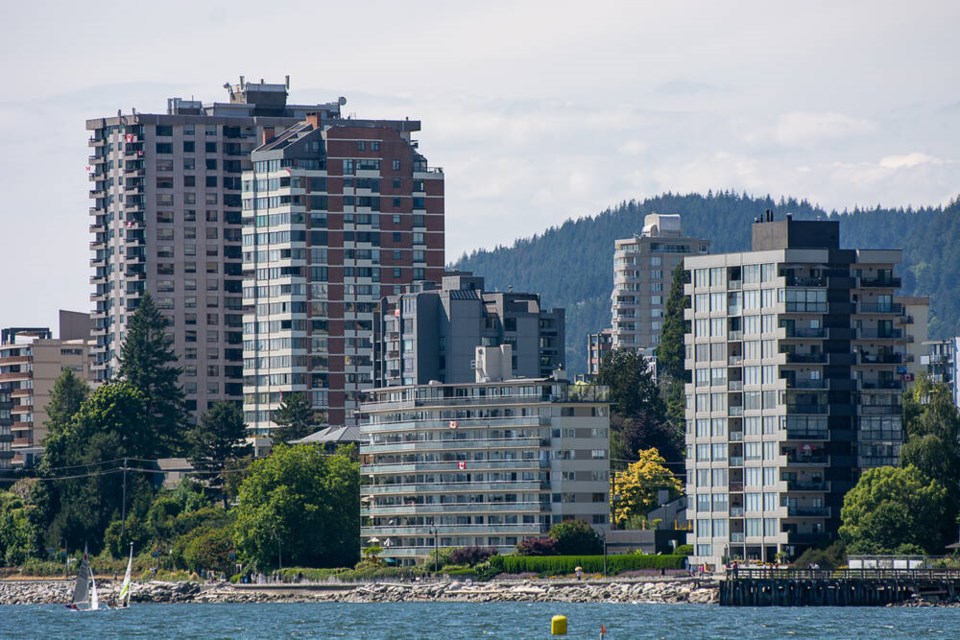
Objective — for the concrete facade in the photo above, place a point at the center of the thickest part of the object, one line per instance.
(166, 219)
(643, 273)
(31, 360)
(481, 464)
(798, 351)
(338, 214)
(432, 333)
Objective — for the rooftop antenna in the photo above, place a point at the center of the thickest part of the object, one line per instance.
(287, 77)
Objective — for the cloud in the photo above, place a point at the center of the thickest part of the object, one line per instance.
(908, 160)
(809, 129)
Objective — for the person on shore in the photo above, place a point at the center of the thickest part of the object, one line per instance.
(579, 572)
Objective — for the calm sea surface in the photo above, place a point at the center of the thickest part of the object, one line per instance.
(455, 621)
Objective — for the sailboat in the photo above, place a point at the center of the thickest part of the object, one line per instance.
(85, 596)
(123, 599)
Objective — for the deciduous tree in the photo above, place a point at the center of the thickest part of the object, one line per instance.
(301, 505)
(635, 492)
(892, 508)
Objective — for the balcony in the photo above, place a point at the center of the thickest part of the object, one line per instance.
(806, 332)
(808, 485)
(806, 358)
(735, 361)
(880, 410)
(880, 358)
(736, 461)
(735, 411)
(807, 408)
(735, 385)
(881, 308)
(736, 436)
(882, 384)
(883, 283)
(800, 281)
(735, 336)
(877, 334)
(815, 459)
(803, 511)
(736, 512)
(808, 384)
(800, 432)
(736, 537)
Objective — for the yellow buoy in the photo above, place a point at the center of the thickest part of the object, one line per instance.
(558, 626)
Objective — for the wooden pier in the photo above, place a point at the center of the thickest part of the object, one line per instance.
(750, 587)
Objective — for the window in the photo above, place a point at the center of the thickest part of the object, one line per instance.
(396, 165)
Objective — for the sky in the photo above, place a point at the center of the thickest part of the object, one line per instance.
(538, 112)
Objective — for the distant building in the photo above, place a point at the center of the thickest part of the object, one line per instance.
(31, 360)
(432, 333)
(942, 365)
(481, 463)
(643, 273)
(798, 351)
(598, 345)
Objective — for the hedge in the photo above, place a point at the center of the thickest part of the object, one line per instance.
(553, 565)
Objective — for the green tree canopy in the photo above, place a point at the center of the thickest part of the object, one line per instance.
(632, 389)
(19, 537)
(68, 394)
(82, 474)
(295, 418)
(893, 508)
(302, 506)
(147, 362)
(576, 537)
(635, 491)
(217, 439)
(671, 351)
(932, 425)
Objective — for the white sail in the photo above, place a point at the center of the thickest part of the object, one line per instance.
(124, 598)
(94, 599)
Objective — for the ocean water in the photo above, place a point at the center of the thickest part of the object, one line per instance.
(459, 621)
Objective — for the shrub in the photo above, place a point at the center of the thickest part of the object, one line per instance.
(558, 565)
(471, 556)
(683, 550)
(537, 547)
(576, 537)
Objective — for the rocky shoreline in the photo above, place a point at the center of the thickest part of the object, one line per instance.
(663, 591)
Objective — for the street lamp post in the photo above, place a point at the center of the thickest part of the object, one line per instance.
(603, 536)
(436, 549)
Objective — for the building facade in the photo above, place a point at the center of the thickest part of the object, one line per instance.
(798, 352)
(431, 333)
(481, 464)
(166, 219)
(338, 214)
(642, 275)
(598, 345)
(941, 363)
(31, 360)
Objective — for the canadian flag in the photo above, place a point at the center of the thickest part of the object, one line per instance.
(130, 137)
(461, 466)
(454, 424)
(396, 312)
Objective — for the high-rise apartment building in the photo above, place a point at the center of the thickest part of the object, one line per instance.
(31, 360)
(337, 214)
(643, 272)
(431, 333)
(166, 219)
(797, 352)
(481, 464)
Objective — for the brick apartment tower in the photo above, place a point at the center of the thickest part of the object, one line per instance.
(336, 215)
(166, 219)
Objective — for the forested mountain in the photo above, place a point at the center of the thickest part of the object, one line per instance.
(571, 265)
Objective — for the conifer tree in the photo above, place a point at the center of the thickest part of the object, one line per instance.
(217, 439)
(295, 418)
(147, 362)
